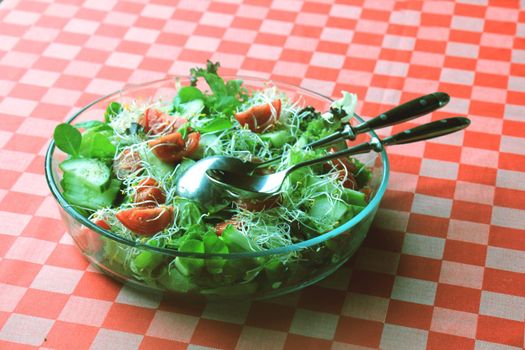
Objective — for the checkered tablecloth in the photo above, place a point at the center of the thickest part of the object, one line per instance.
(442, 268)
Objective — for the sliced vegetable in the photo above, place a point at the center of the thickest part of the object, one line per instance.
(277, 138)
(146, 221)
(192, 144)
(169, 148)
(103, 224)
(156, 122)
(328, 210)
(149, 193)
(79, 194)
(90, 172)
(127, 163)
(259, 118)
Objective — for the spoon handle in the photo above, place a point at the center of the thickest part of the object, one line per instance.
(402, 113)
(427, 131)
(419, 133)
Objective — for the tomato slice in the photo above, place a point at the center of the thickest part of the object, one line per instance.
(156, 122)
(169, 148)
(192, 143)
(149, 193)
(260, 117)
(126, 163)
(103, 224)
(146, 221)
(221, 226)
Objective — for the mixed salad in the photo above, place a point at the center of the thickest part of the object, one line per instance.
(121, 174)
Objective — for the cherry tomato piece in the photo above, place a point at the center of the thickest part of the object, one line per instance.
(103, 224)
(156, 122)
(220, 227)
(260, 117)
(169, 148)
(126, 163)
(192, 143)
(149, 193)
(146, 221)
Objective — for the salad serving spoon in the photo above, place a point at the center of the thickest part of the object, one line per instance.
(244, 186)
(194, 184)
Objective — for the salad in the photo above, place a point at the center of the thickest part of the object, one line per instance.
(121, 173)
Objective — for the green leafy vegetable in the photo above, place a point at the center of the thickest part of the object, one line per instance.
(96, 144)
(225, 97)
(188, 93)
(112, 111)
(67, 139)
(215, 125)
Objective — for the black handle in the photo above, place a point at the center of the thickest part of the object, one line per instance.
(407, 111)
(427, 131)
(419, 133)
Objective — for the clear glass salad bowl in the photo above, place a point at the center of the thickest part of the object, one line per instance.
(250, 275)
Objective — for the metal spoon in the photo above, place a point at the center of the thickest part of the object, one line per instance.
(244, 186)
(194, 184)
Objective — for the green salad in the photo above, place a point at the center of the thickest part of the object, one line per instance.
(121, 174)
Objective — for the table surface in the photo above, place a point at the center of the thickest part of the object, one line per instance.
(443, 266)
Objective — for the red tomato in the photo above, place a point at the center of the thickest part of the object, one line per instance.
(156, 122)
(103, 224)
(169, 148)
(258, 118)
(126, 163)
(220, 227)
(149, 193)
(146, 221)
(192, 143)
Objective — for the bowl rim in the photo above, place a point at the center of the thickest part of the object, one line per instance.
(71, 211)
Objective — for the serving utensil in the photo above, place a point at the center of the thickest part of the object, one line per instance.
(194, 184)
(244, 186)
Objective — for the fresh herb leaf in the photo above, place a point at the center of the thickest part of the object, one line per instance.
(188, 93)
(67, 139)
(96, 145)
(112, 110)
(95, 125)
(215, 125)
(184, 130)
(225, 97)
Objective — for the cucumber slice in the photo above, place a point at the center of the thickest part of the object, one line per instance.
(323, 208)
(91, 172)
(78, 193)
(277, 138)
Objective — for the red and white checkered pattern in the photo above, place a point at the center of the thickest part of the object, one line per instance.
(444, 265)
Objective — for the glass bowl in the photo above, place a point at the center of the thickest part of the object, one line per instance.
(254, 275)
